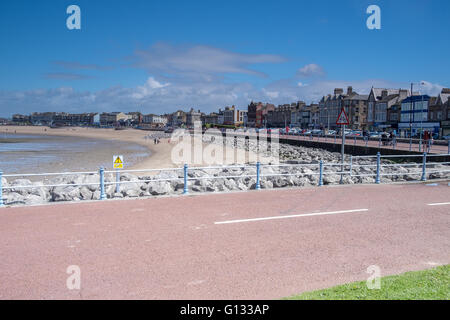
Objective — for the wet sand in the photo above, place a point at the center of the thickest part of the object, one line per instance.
(160, 154)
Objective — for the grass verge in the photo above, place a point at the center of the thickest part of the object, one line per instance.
(431, 284)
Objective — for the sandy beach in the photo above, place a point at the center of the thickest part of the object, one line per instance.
(160, 154)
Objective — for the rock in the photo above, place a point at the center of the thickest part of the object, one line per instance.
(14, 198)
(132, 193)
(85, 193)
(196, 188)
(68, 193)
(124, 176)
(367, 180)
(93, 180)
(279, 182)
(331, 178)
(159, 188)
(33, 200)
(266, 184)
(20, 182)
(304, 181)
(96, 195)
(230, 184)
(125, 187)
(42, 192)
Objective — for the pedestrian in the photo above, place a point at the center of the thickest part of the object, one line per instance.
(430, 141)
(384, 138)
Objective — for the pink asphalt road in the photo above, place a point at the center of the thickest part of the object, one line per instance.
(180, 247)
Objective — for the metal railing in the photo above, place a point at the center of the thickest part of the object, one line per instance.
(395, 143)
(254, 171)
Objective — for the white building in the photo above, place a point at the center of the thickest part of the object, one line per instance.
(153, 119)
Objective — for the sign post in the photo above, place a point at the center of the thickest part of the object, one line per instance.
(117, 164)
(342, 121)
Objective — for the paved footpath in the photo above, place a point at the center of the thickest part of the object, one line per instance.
(374, 143)
(250, 245)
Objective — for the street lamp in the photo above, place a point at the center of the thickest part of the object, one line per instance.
(421, 116)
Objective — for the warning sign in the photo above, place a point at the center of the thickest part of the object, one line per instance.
(342, 119)
(118, 162)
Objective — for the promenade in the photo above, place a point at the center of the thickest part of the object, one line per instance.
(402, 144)
(250, 245)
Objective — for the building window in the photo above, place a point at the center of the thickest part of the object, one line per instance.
(405, 117)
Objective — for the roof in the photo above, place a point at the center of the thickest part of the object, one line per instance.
(424, 97)
(389, 98)
(357, 97)
(444, 97)
(377, 92)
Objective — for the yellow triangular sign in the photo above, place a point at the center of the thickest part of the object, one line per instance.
(118, 160)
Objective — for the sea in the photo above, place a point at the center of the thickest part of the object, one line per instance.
(20, 153)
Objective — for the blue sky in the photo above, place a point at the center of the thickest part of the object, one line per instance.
(158, 56)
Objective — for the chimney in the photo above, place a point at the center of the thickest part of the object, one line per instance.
(349, 90)
(338, 91)
(403, 93)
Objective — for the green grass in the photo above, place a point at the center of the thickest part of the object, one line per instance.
(418, 285)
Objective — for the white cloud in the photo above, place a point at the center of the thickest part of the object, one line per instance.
(149, 88)
(185, 77)
(271, 94)
(311, 70)
(432, 89)
(158, 96)
(199, 61)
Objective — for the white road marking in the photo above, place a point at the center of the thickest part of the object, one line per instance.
(291, 216)
(196, 282)
(439, 204)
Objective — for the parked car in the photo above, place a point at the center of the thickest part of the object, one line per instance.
(447, 137)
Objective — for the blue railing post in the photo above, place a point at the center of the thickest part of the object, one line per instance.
(351, 165)
(1, 189)
(424, 167)
(258, 171)
(102, 184)
(185, 172)
(320, 173)
(117, 181)
(377, 179)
